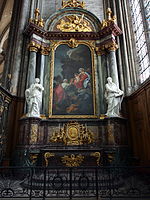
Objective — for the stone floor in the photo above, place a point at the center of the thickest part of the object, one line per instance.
(76, 199)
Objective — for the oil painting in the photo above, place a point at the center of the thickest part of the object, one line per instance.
(72, 81)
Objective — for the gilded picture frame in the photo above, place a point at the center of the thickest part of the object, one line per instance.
(79, 99)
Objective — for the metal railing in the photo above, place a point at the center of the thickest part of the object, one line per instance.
(5, 99)
(69, 183)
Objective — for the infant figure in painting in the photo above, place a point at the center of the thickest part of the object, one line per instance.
(114, 97)
(34, 98)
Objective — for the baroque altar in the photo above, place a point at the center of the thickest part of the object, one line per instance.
(72, 53)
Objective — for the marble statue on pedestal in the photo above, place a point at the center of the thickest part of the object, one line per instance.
(34, 98)
(114, 97)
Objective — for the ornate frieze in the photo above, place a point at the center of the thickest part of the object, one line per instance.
(73, 133)
(33, 29)
(72, 160)
(73, 4)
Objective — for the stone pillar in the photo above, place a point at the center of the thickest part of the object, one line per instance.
(124, 48)
(42, 69)
(102, 75)
(113, 63)
(31, 68)
(44, 75)
(15, 53)
(32, 9)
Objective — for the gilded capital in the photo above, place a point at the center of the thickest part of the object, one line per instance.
(100, 51)
(45, 50)
(33, 46)
(111, 46)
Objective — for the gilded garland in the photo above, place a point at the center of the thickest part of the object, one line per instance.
(73, 133)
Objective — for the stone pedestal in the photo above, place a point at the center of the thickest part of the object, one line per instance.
(91, 142)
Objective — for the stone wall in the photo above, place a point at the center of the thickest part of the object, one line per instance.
(50, 6)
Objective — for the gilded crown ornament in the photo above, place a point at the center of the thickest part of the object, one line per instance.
(73, 3)
(110, 19)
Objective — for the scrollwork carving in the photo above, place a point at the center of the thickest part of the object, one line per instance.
(47, 155)
(97, 155)
(72, 160)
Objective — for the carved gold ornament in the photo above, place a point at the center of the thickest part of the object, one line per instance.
(97, 155)
(34, 46)
(73, 43)
(33, 158)
(110, 19)
(34, 133)
(111, 157)
(37, 20)
(73, 133)
(73, 3)
(74, 23)
(47, 155)
(72, 160)
(111, 46)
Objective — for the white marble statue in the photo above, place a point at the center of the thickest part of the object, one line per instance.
(114, 97)
(34, 98)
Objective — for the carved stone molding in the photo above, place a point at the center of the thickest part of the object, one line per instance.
(34, 29)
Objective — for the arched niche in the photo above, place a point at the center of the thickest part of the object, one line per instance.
(54, 20)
